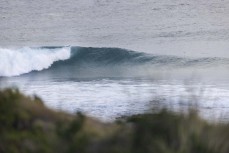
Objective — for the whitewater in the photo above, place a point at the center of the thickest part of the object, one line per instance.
(76, 61)
(24, 60)
(112, 58)
(107, 83)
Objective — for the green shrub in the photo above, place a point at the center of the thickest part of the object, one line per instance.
(27, 126)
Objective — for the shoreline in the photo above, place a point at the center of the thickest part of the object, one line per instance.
(28, 126)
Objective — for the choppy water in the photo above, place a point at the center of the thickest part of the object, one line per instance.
(184, 27)
(110, 82)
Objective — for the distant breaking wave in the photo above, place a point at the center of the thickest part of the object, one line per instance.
(89, 62)
(15, 62)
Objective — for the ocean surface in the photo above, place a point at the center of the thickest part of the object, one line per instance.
(113, 58)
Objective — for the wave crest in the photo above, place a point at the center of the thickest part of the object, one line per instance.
(14, 62)
(80, 62)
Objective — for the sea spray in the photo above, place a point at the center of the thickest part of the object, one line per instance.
(14, 62)
(87, 62)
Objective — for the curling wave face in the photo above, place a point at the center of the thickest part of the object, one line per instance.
(95, 62)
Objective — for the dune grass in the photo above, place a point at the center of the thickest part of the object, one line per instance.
(27, 126)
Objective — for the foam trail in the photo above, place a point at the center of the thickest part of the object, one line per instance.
(14, 62)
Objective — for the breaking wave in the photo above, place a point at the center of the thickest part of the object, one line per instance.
(88, 61)
(15, 62)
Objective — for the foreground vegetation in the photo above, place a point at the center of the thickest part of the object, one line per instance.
(27, 126)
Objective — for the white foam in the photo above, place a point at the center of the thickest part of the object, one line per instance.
(14, 62)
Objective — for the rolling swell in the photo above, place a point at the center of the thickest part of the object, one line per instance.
(122, 57)
(97, 62)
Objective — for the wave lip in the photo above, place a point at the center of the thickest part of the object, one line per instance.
(87, 62)
(14, 62)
